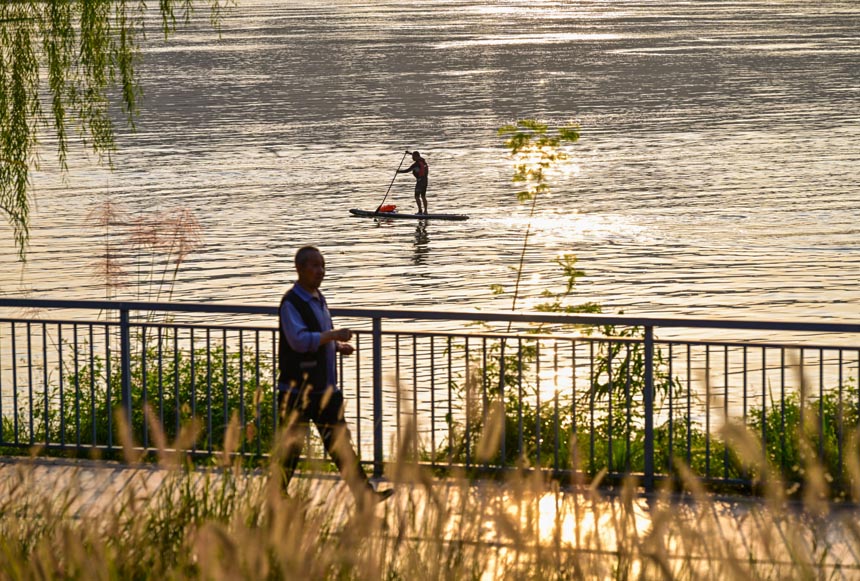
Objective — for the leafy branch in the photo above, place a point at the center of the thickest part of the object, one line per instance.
(77, 52)
(534, 150)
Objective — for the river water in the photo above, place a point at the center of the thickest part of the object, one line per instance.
(716, 174)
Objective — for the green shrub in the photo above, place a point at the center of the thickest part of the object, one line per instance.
(206, 387)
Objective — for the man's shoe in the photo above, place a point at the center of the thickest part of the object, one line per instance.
(382, 495)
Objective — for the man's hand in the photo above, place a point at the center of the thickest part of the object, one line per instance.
(341, 334)
(336, 335)
(345, 348)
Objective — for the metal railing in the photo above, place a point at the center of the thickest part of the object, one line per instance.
(574, 395)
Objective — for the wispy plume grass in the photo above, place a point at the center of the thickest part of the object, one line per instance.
(143, 252)
(227, 521)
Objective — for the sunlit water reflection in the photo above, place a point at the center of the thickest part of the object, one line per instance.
(716, 174)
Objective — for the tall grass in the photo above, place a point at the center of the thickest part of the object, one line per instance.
(228, 522)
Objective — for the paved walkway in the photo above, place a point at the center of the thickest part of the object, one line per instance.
(93, 487)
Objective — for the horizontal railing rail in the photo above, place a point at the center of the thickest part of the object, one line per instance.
(404, 314)
(575, 395)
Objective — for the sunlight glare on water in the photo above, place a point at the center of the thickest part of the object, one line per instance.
(715, 174)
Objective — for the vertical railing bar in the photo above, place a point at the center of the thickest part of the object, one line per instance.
(725, 407)
(782, 408)
(415, 395)
(592, 395)
(485, 402)
(745, 385)
(274, 392)
(2, 415)
(62, 385)
(339, 378)
(574, 435)
(556, 444)
(177, 404)
(433, 398)
(858, 391)
(257, 396)
(77, 384)
(821, 419)
(108, 388)
(670, 465)
(502, 406)
(225, 396)
(708, 411)
(745, 471)
(125, 363)
(358, 406)
(159, 335)
(378, 450)
(764, 406)
(485, 398)
(450, 400)
(468, 394)
(15, 411)
(144, 385)
(840, 421)
(45, 386)
(397, 401)
(242, 416)
(629, 405)
(30, 398)
(557, 430)
(520, 443)
(803, 389)
(193, 380)
(649, 408)
(610, 420)
(689, 454)
(209, 390)
(93, 419)
(537, 404)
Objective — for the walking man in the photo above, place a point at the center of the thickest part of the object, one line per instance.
(307, 380)
(420, 170)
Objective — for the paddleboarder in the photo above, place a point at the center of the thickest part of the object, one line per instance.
(420, 170)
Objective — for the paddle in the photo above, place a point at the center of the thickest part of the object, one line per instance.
(392, 179)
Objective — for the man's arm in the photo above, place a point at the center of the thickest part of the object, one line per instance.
(408, 169)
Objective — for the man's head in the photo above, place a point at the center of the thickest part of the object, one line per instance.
(416, 156)
(310, 265)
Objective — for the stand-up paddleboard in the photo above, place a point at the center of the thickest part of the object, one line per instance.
(401, 216)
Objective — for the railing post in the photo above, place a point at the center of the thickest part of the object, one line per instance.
(648, 402)
(377, 397)
(125, 363)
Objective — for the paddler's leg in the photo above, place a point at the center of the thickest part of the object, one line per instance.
(421, 195)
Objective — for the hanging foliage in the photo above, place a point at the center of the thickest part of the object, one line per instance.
(63, 65)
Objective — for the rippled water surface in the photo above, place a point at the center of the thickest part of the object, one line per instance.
(716, 174)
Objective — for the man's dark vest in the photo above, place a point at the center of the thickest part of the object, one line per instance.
(301, 369)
